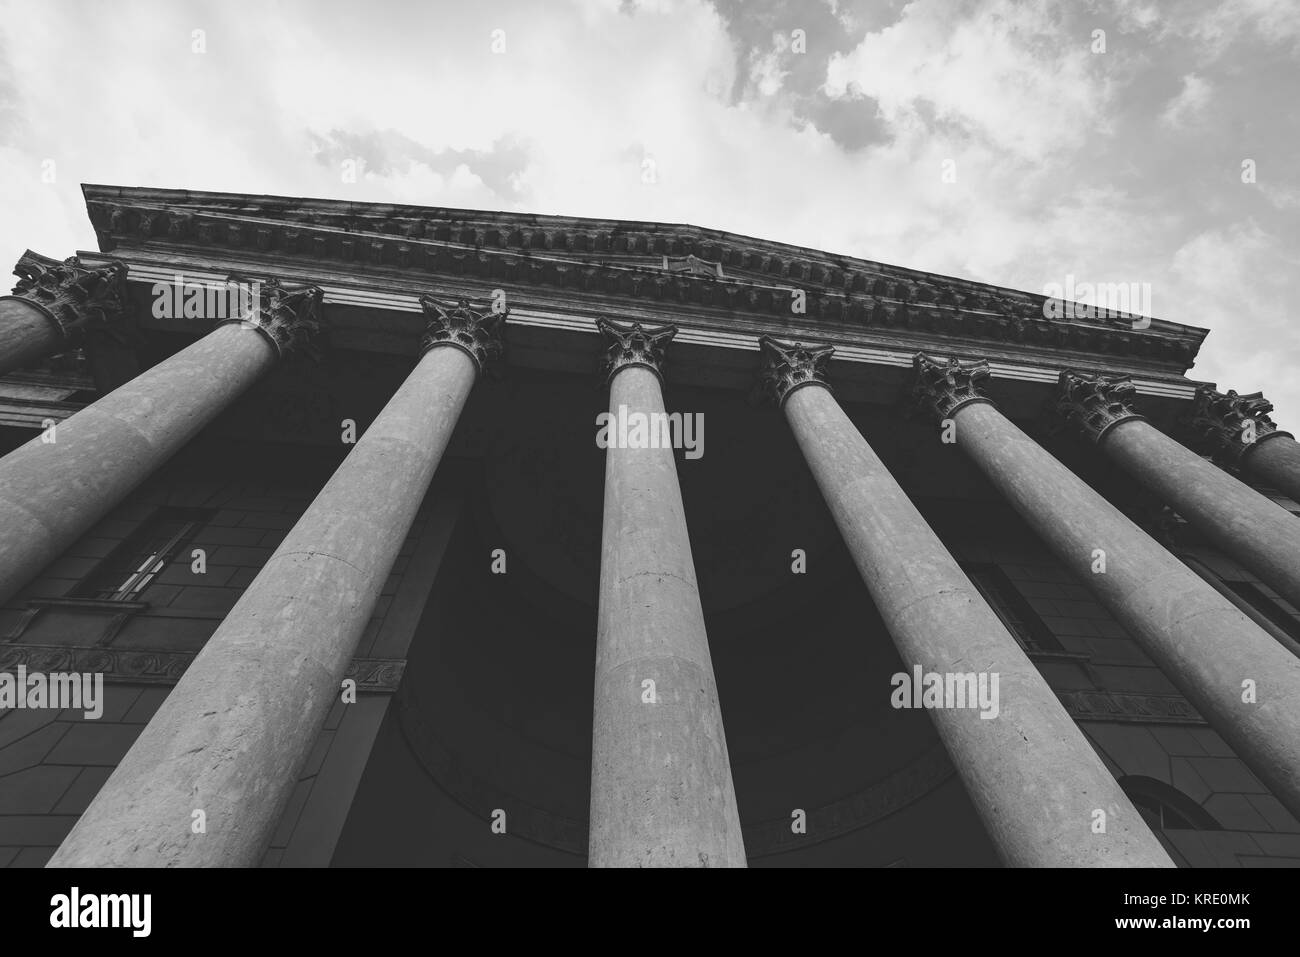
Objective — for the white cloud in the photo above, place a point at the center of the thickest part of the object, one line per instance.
(1059, 160)
(1008, 75)
(1238, 282)
(1190, 102)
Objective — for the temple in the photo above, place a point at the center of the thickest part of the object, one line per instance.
(396, 536)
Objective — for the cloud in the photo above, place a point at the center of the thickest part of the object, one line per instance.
(1188, 104)
(1010, 75)
(1237, 280)
(1063, 165)
(392, 155)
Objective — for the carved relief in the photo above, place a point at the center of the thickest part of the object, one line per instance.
(1095, 404)
(634, 345)
(942, 388)
(74, 297)
(791, 365)
(288, 316)
(479, 332)
(1228, 425)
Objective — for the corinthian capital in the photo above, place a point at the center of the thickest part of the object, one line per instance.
(634, 345)
(73, 296)
(479, 332)
(1228, 425)
(1094, 404)
(791, 365)
(288, 316)
(942, 388)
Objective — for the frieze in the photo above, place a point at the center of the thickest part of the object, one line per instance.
(1127, 706)
(646, 262)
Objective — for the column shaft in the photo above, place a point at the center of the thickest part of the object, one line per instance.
(1030, 773)
(233, 735)
(26, 334)
(1259, 533)
(51, 492)
(1276, 463)
(661, 788)
(1204, 644)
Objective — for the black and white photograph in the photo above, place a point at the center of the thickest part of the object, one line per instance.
(822, 434)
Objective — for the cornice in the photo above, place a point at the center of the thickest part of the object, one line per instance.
(147, 268)
(623, 259)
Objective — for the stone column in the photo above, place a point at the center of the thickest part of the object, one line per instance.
(661, 790)
(1237, 431)
(232, 737)
(1035, 781)
(1200, 640)
(1259, 533)
(52, 306)
(62, 482)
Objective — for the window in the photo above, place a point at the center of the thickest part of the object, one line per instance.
(134, 565)
(1166, 808)
(1267, 607)
(1016, 613)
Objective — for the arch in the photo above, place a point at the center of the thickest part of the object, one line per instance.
(1165, 807)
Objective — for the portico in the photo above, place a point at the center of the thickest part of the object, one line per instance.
(589, 304)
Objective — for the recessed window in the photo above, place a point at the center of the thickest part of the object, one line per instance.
(1016, 613)
(135, 564)
(1166, 808)
(1267, 607)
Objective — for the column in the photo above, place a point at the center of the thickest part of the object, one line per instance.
(1237, 431)
(232, 737)
(1032, 776)
(53, 304)
(63, 481)
(1205, 645)
(661, 790)
(1259, 533)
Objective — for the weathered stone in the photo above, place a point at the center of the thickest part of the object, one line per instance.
(1200, 640)
(233, 736)
(1032, 776)
(53, 304)
(1258, 532)
(1276, 463)
(26, 335)
(661, 787)
(1238, 432)
(52, 492)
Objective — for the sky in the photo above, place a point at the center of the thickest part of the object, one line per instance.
(1026, 144)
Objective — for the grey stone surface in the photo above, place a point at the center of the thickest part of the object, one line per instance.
(26, 335)
(234, 733)
(1200, 640)
(661, 785)
(1255, 530)
(52, 493)
(1276, 463)
(1030, 773)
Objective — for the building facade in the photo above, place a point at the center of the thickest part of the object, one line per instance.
(435, 537)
